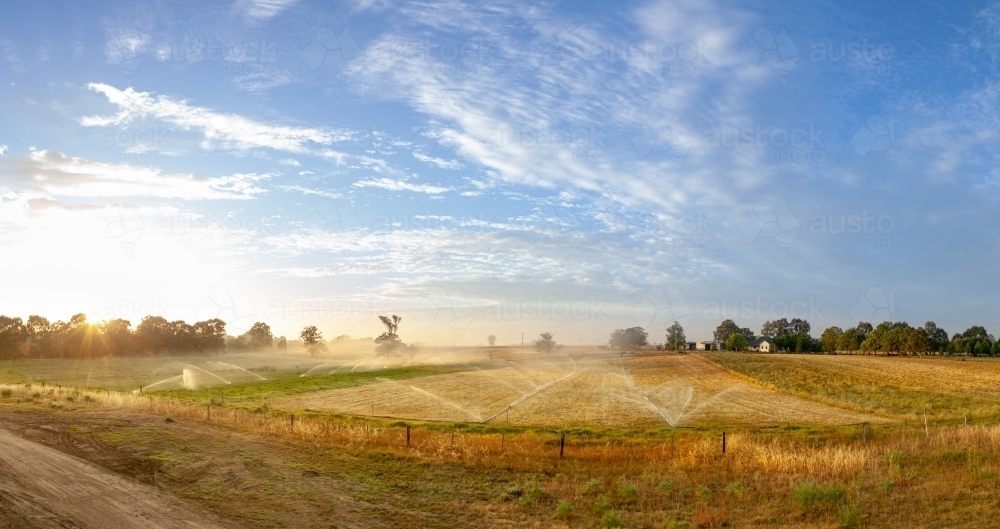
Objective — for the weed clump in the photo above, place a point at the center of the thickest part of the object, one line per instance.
(168, 419)
(564, 509)
(848, 517)
(610, 519)
(510, 493)
(628, 493)
(810, 495)
(534, 494)
(6, 393)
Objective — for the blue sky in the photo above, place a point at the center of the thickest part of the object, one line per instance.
(501, 168)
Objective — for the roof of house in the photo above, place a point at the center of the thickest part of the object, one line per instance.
(761, 340)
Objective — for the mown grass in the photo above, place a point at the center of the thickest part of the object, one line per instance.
(807, 376)
(289, 384)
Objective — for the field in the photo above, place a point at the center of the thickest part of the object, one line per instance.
(946, 390)
(640, 437)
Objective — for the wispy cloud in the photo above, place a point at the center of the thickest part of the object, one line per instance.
(57, 174)
(262, 9)
(399, 185)
(219, 131)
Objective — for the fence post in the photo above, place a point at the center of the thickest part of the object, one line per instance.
(503, 436)
(723, 442)
(208, 412)
(293, 422)
(562, 445)
(407, 435)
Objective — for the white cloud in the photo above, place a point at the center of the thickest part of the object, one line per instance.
(262, 9)
(3, 149)
(57, 174)
(398, 185)
(221, 132)
(444, 164)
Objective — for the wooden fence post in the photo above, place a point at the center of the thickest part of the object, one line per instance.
(503, 436)
(864, 433)
(723, 442)
(208, 412)
(562, 445)
(407, 435)
(293, 422)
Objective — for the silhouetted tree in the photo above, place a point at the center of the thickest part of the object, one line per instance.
(388, 343)
(676, 341)
(259, 336)
(545, 343)
(312, 339)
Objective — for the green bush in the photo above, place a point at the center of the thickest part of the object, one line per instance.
(564, 509)
(848, 517)
(810, 494)
(6, 393)
(666, 486)
(592, 486)
(610, 519)
(603, 503)
(628, 493)
(704, 493)
(737, 489)
(534, 494)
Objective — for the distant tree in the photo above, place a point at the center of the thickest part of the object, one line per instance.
(342, 338)
(936, 337)
(210, 335)
(849, 340)
(725, 329)
(259, 336)
(282, 343)
(748, 334)
(798, 326)
(312, 339)
(773, 329)
(676, 341)
(40, 336)
(631, 338)
(736, 342)
(545, 343)
(863, 329)
(492, 340)
(13, 335)
(117, 336)
(154, 334)
(830, 339)
(388, 343)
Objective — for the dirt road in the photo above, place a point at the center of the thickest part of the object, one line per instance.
(42, 487)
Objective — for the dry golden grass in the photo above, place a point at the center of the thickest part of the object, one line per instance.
(947, 390)
(900, 476)
(692, 392)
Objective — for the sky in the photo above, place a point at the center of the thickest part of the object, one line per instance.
(501, 168)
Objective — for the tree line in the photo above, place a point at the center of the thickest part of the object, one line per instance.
(37, 337)
(794, 336)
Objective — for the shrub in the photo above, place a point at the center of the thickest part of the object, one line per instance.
(564, 509)
(168, 419)
(810, 494)
(895, 459)
(592, 486)
(534, 493)
(628, 493)
(610, 519)
(736, 489)
(603, 503)
(6, 393)
(848, 517)
(704, 493)
(666, 486)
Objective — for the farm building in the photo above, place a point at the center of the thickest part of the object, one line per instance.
(762, 345)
